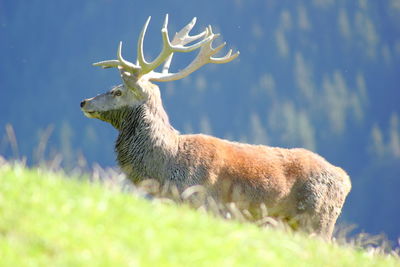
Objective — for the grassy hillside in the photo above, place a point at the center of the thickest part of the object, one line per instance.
(50, 220)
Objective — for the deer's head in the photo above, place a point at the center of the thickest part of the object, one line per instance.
(137, 87)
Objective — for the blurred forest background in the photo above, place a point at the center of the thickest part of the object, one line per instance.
(319, 74)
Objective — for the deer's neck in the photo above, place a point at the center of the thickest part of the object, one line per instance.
(146, 141)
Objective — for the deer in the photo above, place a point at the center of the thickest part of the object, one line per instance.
(295, 184)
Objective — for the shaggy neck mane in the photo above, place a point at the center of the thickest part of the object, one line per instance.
(146, 139)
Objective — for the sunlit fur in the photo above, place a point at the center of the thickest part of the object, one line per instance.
(295, 184)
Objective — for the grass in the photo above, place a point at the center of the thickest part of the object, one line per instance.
(48, 219)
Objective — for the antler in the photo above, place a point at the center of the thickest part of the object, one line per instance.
(142, 67)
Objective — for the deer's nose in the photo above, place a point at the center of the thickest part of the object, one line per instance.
(83, 103)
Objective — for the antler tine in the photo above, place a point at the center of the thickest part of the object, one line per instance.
(225, 59)
(126, 65)
(140, 57)
(181, 38)
(166, 51)
(118, 63)
(204, 57)
(107, 64)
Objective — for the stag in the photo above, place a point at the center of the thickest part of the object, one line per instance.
(294, 184)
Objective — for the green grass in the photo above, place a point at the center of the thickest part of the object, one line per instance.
(47, 219)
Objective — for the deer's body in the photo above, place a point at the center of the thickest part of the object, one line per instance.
(294, 184)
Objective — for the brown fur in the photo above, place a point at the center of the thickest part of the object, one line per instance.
(295, 184)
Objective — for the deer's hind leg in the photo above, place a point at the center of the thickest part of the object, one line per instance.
(320, 201)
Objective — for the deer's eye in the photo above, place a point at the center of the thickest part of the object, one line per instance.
(117, 93)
